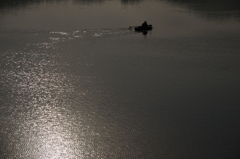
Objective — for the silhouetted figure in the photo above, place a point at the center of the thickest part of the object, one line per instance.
(144, 24)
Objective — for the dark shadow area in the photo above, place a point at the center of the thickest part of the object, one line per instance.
(130, 2)
(144, 32)
(218, 9)
(194, 5)
(210, 5)
(20, 3)
(8, 4)
(15, 4)
(87, 2)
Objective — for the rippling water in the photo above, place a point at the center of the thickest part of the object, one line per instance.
(77, 83)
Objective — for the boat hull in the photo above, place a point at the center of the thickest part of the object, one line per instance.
(141, 28)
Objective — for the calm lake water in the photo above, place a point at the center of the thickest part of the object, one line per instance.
(75, 82)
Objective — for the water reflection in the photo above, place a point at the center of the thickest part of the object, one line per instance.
(46, 112)
(212, 5)
(96, 94)
(37, 117)
(36, 96)
(14, 4)
(9, 6)
(211, 9)
(207, 9)
(231, 5)
(87, 2)
(130, 2)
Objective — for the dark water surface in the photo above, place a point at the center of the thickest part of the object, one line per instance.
(75, 82)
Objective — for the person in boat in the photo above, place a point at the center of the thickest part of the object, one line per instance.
(144, 24)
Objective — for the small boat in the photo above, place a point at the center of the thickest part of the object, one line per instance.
(141, 28)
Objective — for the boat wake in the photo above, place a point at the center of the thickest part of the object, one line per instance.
(48, 40)
(89, 33)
